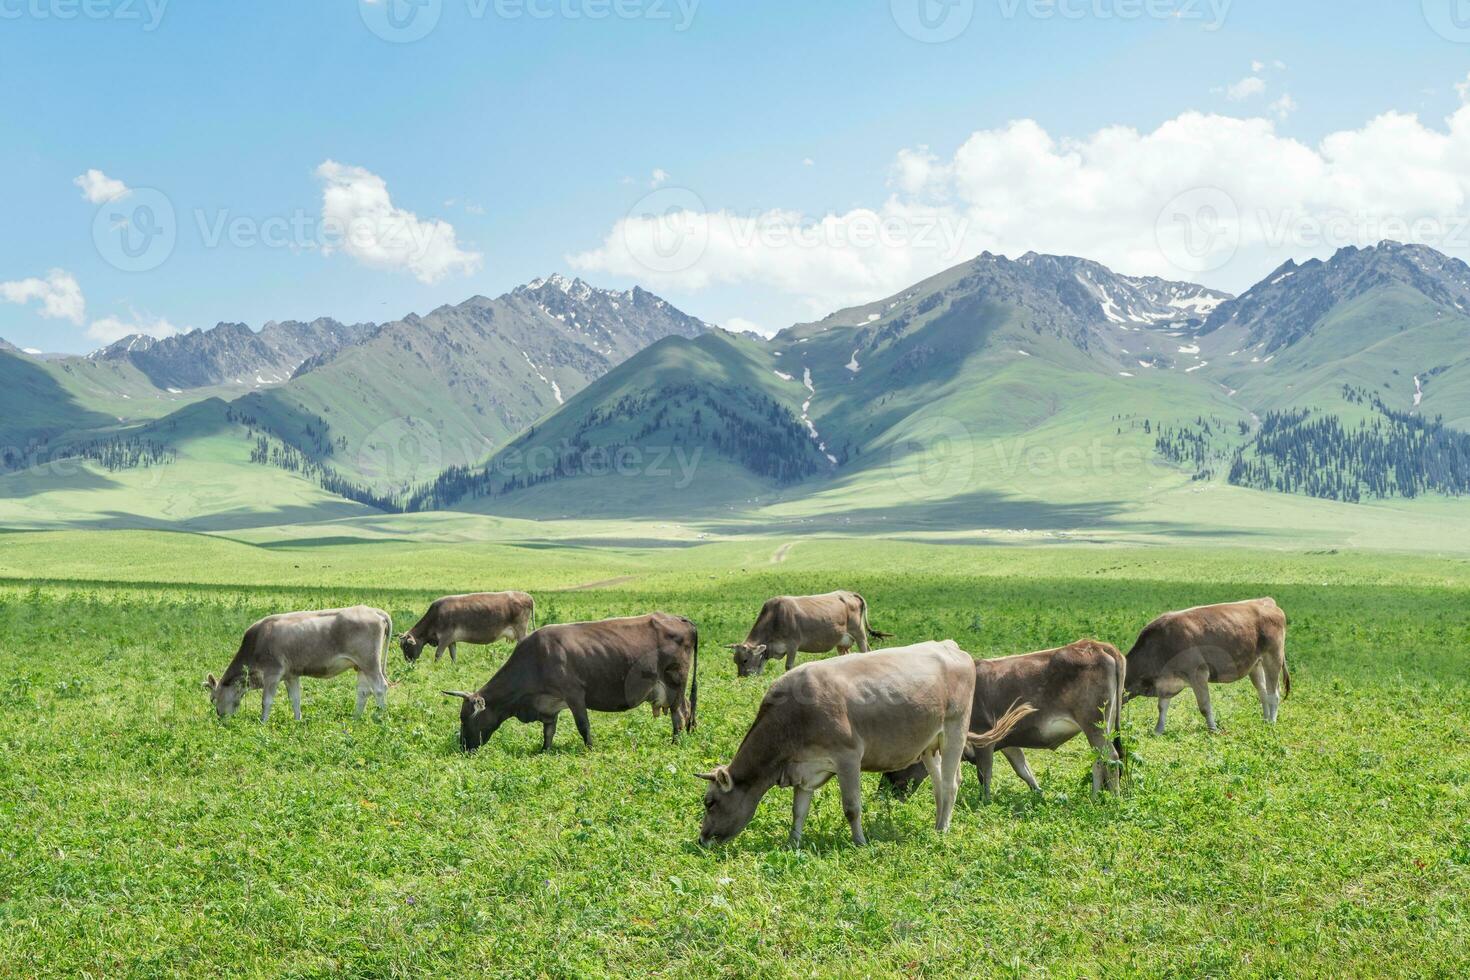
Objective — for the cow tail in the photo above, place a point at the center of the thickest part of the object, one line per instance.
(875, 634)
(1003, 725)
(694, 683)
(1286, 680)
(387, 643)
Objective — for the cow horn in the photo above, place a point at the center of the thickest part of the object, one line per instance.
(720, 777)
(732, 646)
(469, 696)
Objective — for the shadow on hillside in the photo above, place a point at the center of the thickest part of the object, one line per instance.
(31, 385)
(36, 481)
(239, 519)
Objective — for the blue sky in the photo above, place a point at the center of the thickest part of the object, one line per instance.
(532, 132)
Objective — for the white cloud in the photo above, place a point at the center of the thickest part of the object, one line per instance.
(1258, 66)
(1105, 196)
(59, 294)
(808, 162)
(659, 178)
(1283, 106)
(98, 188)
(111, 328)
(1248, 87)
(1462, 89)
(359, 218)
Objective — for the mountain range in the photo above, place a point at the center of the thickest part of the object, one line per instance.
(951, 402)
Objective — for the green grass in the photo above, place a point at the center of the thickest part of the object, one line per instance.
(140, 837)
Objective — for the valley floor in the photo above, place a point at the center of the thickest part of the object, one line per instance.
(141, 837)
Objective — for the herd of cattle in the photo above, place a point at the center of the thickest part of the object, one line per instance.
(906, 712)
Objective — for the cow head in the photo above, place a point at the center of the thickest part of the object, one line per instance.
(474, 720)
(727, 807)
(225, 695)
(750, 658)
(411, 646)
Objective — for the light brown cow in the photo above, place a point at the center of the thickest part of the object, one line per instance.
(790, 624)
(1075, 688)
(847, 716)
(1211, 645)
(480, 617)
(291, 646)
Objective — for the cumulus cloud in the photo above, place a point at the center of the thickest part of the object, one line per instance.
(1107, 196)
(98, 188)
(1283, 106)
(659, 178)
(359, 218)
(112, 328)
(59, 295)
(1248, 87)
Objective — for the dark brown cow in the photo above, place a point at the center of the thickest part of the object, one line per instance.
(848, 716)
(480, 617)
(611, 665)
(1076, 688)
(1211, 645)
(792, 624)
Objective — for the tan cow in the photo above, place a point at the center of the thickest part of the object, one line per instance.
(847, 716)
(1211, 645)
(791, 624)
(1075, 689)
(291, 646)
(480, 617)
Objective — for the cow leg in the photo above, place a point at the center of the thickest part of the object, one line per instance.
(850, 781)
(791, 659)
(1018, 762)
(1103, 774)
(1200, 681)
(293, 690)
(1163, 714)
(548, 732)
(985, 769)
(584, 725)
(1258, 678)
(362, 695)
(380, 690)
(801, 802)
(267, 695)
(843, 651)
(676, 716)
(454, 653)
(935, 769)
(1273, 665)
(862, 638)
(438, 652)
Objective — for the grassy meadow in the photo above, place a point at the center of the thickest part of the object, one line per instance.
(139, 836)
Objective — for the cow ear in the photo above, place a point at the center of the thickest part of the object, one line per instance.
(732, 646)
(760, 648)
(210, 683)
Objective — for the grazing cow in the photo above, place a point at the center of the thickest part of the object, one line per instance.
(1076, 688)
(611, 665)
(291, 646)
(792, 624)
(848, 716)
(1211, 645)
(481, 617)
